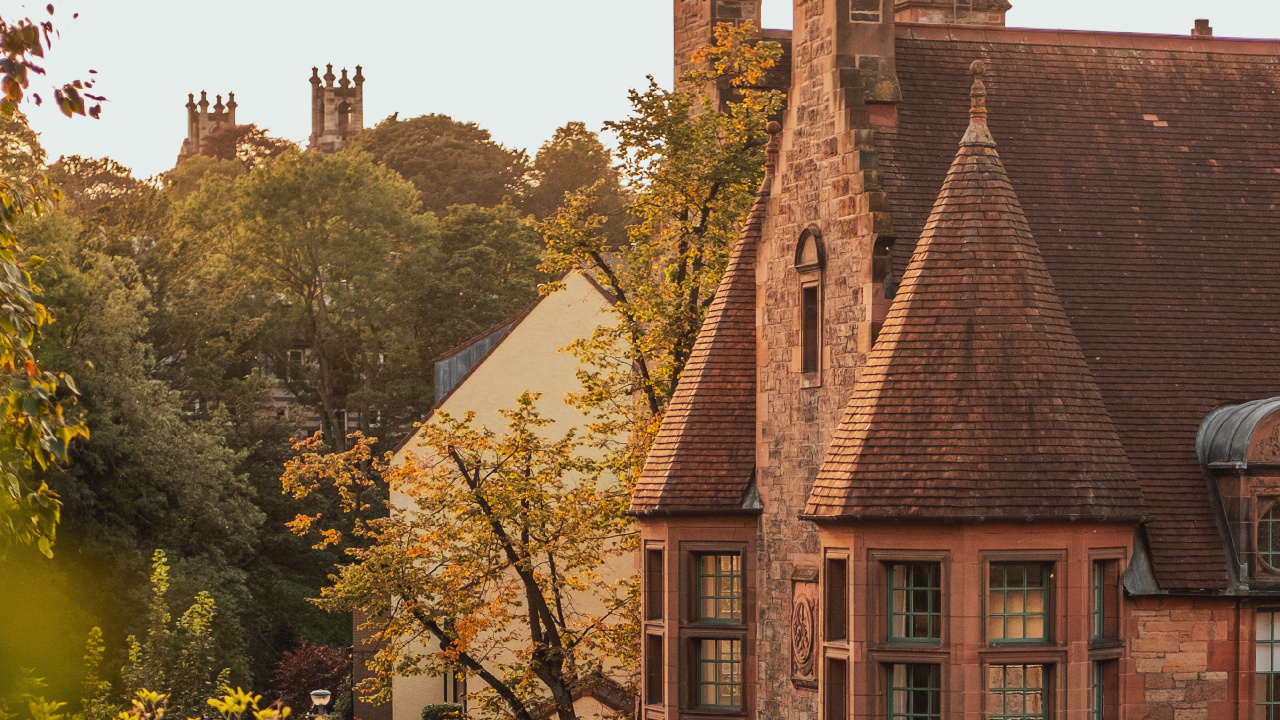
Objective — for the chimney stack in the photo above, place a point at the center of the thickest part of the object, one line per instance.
(1202, 30)
(989, 13)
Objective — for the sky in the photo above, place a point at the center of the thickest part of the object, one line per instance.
(519, 68)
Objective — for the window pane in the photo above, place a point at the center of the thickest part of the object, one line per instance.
(1269, 538)
(1016, 692)
(1267, 687)
(720, 587)
(1017, 601)
(914, 692)
(915, 602)
(720, 673)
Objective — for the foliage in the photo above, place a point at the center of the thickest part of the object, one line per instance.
(311, 667)
(96, 702)
(450, 162)
(502, 555)
(693, 170)
(247, 144)
(574, 159)
(29, 702)
(176, 656)
(232, 705)
(33, 432)
(441, 711)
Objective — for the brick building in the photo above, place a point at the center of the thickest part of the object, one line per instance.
(983, 421)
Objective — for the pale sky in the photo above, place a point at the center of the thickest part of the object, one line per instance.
(520, 68)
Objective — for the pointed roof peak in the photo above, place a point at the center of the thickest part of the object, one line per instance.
(703, 458)
(976, 402)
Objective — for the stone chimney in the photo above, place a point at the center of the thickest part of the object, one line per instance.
(989, 13)
(1202, 30)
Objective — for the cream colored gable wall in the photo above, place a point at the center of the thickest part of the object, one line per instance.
(529, 358)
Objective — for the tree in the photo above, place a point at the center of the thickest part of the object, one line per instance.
(497, 563)
(33, 432)
(176, 657)
(450, 162)
(693, 170)
(322, 233)
(311, 667)
(246, 144)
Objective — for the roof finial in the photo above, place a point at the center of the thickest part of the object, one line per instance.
(978, 133)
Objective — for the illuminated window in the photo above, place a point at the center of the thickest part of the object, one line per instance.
(720, 588)
(720, 674)
(1016, 603)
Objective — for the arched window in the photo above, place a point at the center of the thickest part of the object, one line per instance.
(1269, 538)
(344, 118)
(810, 259)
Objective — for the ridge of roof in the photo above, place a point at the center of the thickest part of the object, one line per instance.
(976, 402)
(703, 458)
(1087, 39)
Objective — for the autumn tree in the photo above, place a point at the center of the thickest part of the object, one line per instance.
(498, 567)
(450, 162)
(693, 169)
(573, 160)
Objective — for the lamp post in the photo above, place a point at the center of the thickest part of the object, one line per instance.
(319, 699)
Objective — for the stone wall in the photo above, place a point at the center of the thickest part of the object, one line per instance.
(827, 178)
(1189, 658)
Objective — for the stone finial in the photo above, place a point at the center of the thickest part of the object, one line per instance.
(191, 101)
(329, 77)
(204, 101)
(344, 82)
(1202, 30)
(218, 107)
(315, 75)
(978, 133)
(358, 77)
(231, 101)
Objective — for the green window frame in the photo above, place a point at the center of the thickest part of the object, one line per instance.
(1104, 702)
(1269, 538)
(915, 602)
(720, 587)
(1017, 692)
(1267, 669)
(1099, 599)
(915, 692)
(720, 674)
(1018, 603)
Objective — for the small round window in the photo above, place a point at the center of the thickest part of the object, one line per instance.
(1269, 538)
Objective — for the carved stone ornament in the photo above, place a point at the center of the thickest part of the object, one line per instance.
(804, 632)
(1267, 448)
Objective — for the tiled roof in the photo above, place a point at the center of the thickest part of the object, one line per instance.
(976, 402)
(1149, 172)
(703, 458)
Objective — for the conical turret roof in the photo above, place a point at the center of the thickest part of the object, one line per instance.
(703, 459)
(976, 402)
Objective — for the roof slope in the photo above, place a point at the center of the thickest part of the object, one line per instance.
(976, 403)
(1149, 171)
(703, 458)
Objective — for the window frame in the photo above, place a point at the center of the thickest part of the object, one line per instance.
(811, 274)
(1048, 612)
(935, 618)
(877, 602)
(697, 597)
(1047, 679)
(826, 599)
(1270, 505)
(890, 689)
(1267, 681)
(698, 682)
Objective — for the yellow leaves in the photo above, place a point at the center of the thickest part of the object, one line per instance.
(301, 524)
(235, 703)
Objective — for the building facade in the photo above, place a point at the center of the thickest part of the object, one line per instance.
(337, 111)
(982, 422)
(203, 122)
